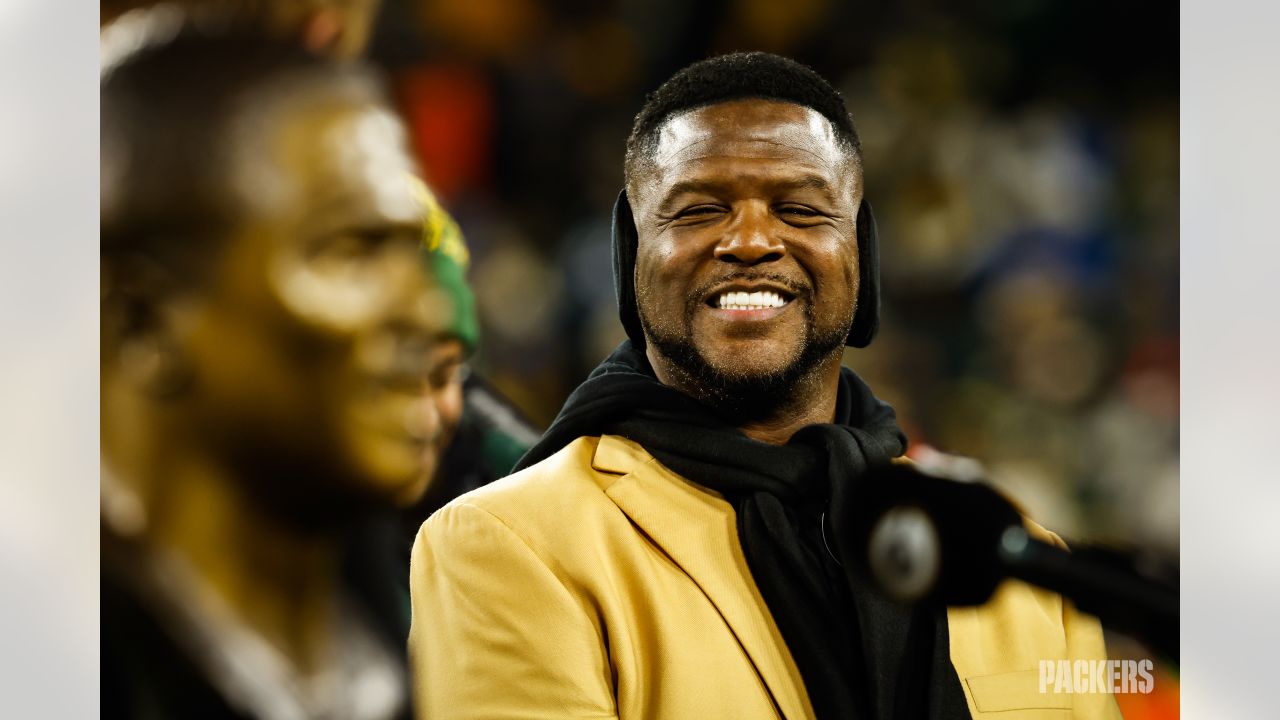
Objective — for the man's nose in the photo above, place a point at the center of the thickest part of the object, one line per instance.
(751, 237)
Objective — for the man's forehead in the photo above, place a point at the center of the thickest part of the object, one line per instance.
(370, 149)
(748, 128)
(332, 149)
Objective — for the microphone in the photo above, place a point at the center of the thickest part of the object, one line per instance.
(951, 542)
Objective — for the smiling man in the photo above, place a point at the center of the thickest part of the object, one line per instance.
(666, 550)
(747, 273)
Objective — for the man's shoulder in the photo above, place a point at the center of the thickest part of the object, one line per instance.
(568, 489)
(567, 473)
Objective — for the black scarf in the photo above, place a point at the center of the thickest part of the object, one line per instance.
(860, 655)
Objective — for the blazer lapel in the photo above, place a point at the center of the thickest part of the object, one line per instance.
(697, 529)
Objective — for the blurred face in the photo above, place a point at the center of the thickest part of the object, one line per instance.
(310, 342)
(747, 267)
(445, 375)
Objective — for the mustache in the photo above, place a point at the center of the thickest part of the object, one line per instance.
(798, 289)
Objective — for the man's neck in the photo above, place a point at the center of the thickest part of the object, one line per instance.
(814, 402)
(274, 578)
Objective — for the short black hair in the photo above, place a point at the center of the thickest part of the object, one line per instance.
(170, 110)
(738, 76)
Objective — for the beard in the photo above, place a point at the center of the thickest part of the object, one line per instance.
(736, 393)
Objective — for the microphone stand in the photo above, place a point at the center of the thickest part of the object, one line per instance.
(928, 538)
(1104, 582)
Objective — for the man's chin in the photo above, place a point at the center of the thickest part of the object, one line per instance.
(397, 476)
(749, 379)
(752, 367)
(744, 386)
(754, 361)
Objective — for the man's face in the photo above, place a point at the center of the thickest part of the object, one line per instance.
(310, 342)
(747, 267)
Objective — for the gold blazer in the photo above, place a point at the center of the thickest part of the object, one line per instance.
(599, 584)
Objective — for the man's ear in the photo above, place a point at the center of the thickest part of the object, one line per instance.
(866, 320)
(139, 344)
(625, 242)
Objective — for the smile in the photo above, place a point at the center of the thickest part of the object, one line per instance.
(750, 300)
(759, 300)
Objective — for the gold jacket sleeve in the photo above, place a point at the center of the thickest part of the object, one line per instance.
(506, 639)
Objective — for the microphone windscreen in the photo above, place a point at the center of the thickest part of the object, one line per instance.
(909, 526)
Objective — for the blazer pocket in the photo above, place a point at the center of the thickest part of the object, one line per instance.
(1014, 691)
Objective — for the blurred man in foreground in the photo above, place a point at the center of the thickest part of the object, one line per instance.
(265, 332)
(671, 548)
(480, 434)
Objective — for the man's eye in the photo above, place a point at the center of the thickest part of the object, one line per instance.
(800, 215)
(350, 245)
(700, 211)
(361, 247)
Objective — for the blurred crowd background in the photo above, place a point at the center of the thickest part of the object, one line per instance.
(1022, 158)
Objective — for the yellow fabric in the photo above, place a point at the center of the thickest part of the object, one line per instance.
(599, 584)
(997, 647)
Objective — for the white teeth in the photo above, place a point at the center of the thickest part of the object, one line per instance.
(750, 301)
